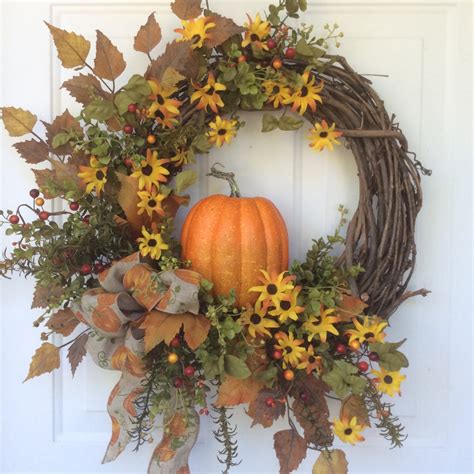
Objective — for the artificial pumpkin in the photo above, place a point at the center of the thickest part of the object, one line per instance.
(229, 239)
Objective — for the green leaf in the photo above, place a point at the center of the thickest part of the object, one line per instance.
(291, 6)
(304, 49)
(303, 4)
(201, 144)
(99, 109)
(229, 74)
(60, 139)
(288, 122)
(269, 122)
(236, 367)
(138, 88)
(171, 77)
(122, 100)
(342, 379)
(185, 179)
(389, 357)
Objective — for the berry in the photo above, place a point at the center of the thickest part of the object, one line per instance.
(355, 345)
(43, 215)
(86, 269)
(128, 162)
(277, 64)
(270, 402)
(363, 366)
(127, 128)
(39, 201)
(341, 348)
(151, 139)
(288, 374)
(204, 411)
(74, 206)
(277, 354)
(290, 53)
(271, 43)
(34, 193)
(86, 219)
(189, 371)
(14, 219)
(304, 396)
(175, 342)
(173, 358)
(98, 267)
(178, 382)
(242, 59)
(373, 356)
(132, 108)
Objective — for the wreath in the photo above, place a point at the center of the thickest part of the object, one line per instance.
(217, 318)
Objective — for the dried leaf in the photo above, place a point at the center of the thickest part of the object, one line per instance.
(349, 307)
(108, 62)
(224, 29)
(46, 359)
(18, 121)
(44, 294)
(263, 413)
(353, 405)
(63, 322)
(72, 49)
(171, 77)
(77, 351)
(236, 391)
(333, 462)
(32, 151)
(186, 9)
(148, 36)
(290, 449)
(61, 123)
(84, 88)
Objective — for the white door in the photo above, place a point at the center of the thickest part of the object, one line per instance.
(56, 424)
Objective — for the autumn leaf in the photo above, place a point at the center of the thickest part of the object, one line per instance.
(18, 121)
(43, 295)
(72, 49)
(290, 449)
(84, 88)
(353, 405)
(32, 151)
(148, 36)
(349, 307)
(331, 462)
(63, 322)
(236, 391)
(224, 29)
(77, 351)
(62, 123)
(171, 77)
(46, 359)
(186, 9)
(108, 62)
(263, 413)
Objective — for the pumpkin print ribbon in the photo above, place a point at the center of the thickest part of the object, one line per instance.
(131, 293)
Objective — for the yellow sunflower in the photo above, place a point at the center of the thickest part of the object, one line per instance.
(162, 99)
(369, 331)
(150, 172)
(277, 92)
(274, 287)
(306, 94)
(388, 382)
(150, 202)
(310, 361)
(151, 244)
(290, 347)
(195, 30)
(208, 95)
(165, 118)
(257, 322)
(181, 158)
(257, 31)
(222, 131)
(348, 431)
(320, 325)
(288, 306)
(322, 136)
(94, 176)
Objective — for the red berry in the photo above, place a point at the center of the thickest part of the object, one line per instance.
(178, 382)
(98, 267)
(86, 219)
(270, 402)
(175, 342)
(373, 356)
(304, 396)
(363, 366)
(204, 411)
(127, 128)
(132, 108)
(128, 162)
(44, 215)
(14, 219)
(86, 269)
(34, 193)
(271, 43)
(189, 371)
(74, 206)
(341, 349)
(277, 354)
(290, 53)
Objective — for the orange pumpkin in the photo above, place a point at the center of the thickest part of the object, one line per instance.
(230, 239)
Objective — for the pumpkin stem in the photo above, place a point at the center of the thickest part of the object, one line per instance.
(229, 177)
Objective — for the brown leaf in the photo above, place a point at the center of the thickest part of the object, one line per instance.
(186, 9)
(353, 405)
(349, 307)
(263, 413)
(63, 322)
(77, 351)
(178, 55)
(84, 88)
(108, 62)
(61, 123)
(290, 449)
(32, 151)
(46, 359)
(224, 29)
(333, 462)
(18, 121)
(43, 295)
(72, 49)
(148, 36)
(236, 391)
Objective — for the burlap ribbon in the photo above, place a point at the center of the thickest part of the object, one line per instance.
(130, 290)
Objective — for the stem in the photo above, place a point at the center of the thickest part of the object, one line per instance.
(229, 177)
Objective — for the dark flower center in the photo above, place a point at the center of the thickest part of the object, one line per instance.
(272, 289)
(289, 350)
(160, 99)
(348, 431)
(255, 318)
(304, 91)
(99, 175)
(276, 89)
(160, 114)
(211, 91)
(147, 170)
(222, 131)
(388, 379)
(285, 305)
(317, 320)
(368, 335)
(254, 37)
(311, 359)
(151, 203)
(323, 134)
(152, 243)
(196, 38)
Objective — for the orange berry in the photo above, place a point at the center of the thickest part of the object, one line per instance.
(242, 58)
(355, 345)
(277, 64)
(39, 201)
(151, 139)
(172, 358)
(288, 374)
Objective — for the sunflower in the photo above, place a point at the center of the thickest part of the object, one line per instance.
(369, 331)
(348, 431)
(208, 94)
(290, 347)
(388, 382)
(306, 94)
(274, 287)
(277, 92)
(310, 361)
(320, 325)
(150, 172)
(257, 31)
(288, 306)
(94, 176)
(151, 244)
(150, 202)
(222, 131)
(181, 158)
(165, 118)
(257, 321)
(162, 99)
(322, 136)
(195, 30)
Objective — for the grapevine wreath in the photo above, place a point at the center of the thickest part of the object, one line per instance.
(219, 318)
